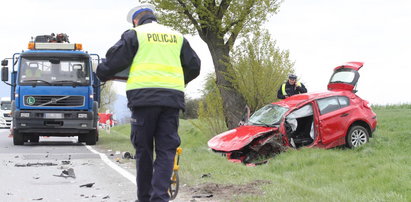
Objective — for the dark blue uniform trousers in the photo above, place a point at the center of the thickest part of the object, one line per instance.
(154, 125)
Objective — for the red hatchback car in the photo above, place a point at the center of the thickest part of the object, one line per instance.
(326, 120)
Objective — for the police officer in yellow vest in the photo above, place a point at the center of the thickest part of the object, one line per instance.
(290, 87)
(161, 62)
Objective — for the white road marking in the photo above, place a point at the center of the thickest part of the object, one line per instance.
(114, 166)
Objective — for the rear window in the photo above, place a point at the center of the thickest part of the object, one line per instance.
(343, 101)
(343, 77)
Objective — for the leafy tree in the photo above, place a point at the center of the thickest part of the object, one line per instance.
(108, 97)
(259, 69)
(219, 23)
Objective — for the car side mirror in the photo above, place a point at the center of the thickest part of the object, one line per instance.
(4, 63)
(4, 73)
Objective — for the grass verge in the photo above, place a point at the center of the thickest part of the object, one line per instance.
(378, 171)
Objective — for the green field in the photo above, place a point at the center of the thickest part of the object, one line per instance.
(378, 171)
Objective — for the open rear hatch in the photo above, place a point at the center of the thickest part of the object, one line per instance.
(345, 77)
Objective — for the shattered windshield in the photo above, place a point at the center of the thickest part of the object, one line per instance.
(54, 71)
(268, 115)
(6, 106)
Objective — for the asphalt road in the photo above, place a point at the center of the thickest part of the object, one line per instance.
(42, 172)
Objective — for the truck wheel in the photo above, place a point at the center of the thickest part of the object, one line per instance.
(91, 138)
(18, 138)
(82, 138)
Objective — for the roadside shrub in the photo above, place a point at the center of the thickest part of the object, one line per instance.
(210, 110)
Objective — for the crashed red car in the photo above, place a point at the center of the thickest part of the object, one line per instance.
(326, 120)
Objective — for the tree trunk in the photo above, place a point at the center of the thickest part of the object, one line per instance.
(233, 101)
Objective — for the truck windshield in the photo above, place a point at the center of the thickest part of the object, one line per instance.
(6, 106)
(55, 71)
(269, 115)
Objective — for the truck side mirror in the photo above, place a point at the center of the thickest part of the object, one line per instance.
(4, 73)
(4, 63)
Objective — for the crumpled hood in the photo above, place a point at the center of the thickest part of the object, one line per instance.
(237, 138)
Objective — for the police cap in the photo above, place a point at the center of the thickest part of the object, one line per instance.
(292, 76)
(138, 9)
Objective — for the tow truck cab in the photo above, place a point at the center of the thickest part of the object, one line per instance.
(54, 91)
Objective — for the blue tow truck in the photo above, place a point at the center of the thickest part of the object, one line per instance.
(54, 90)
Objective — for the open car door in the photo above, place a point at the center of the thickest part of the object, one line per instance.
(345, 77)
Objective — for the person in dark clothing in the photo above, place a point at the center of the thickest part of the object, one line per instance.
(290, 87)
(160, 63)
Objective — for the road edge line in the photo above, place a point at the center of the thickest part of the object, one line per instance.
(114, 166)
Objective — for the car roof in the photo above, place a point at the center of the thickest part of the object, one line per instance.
(298, 99)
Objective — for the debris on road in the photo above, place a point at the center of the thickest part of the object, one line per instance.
(37, 199)
(65, 162)
(106, 197)
(34, 164)
(203, 196)
(87, 185)
(127, 155)
(67, 173)
(206, 175)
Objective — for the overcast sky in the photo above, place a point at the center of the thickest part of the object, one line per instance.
(320, 35)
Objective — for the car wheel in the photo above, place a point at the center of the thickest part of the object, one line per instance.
(18, 138)
(357, 136)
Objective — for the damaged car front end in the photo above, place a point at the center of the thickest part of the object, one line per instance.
(258, 138)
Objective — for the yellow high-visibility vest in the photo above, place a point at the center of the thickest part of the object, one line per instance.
(157, 62)
(283, 88)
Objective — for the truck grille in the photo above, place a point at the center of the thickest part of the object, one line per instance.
(54, 101)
